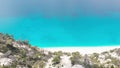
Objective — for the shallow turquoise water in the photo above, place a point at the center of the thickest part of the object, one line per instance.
(74, 25)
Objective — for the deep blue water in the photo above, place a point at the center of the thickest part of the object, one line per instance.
(58, 23)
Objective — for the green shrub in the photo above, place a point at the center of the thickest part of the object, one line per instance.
(56, 60)
(59, 53)
(75, 59)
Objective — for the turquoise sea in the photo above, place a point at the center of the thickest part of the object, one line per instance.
(62, 23)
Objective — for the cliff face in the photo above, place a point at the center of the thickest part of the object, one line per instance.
(20, 54)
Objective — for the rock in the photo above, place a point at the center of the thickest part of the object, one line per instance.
(5, 61)
(77, 66)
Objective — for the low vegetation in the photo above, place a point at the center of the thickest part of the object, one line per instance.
(20, 54)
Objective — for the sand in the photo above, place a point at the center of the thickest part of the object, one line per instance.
(82, 50)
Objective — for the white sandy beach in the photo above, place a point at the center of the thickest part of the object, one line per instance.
(82, 50)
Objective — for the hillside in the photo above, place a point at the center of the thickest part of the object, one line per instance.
(20, 54)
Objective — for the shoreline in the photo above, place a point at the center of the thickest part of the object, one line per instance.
(82, 50)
